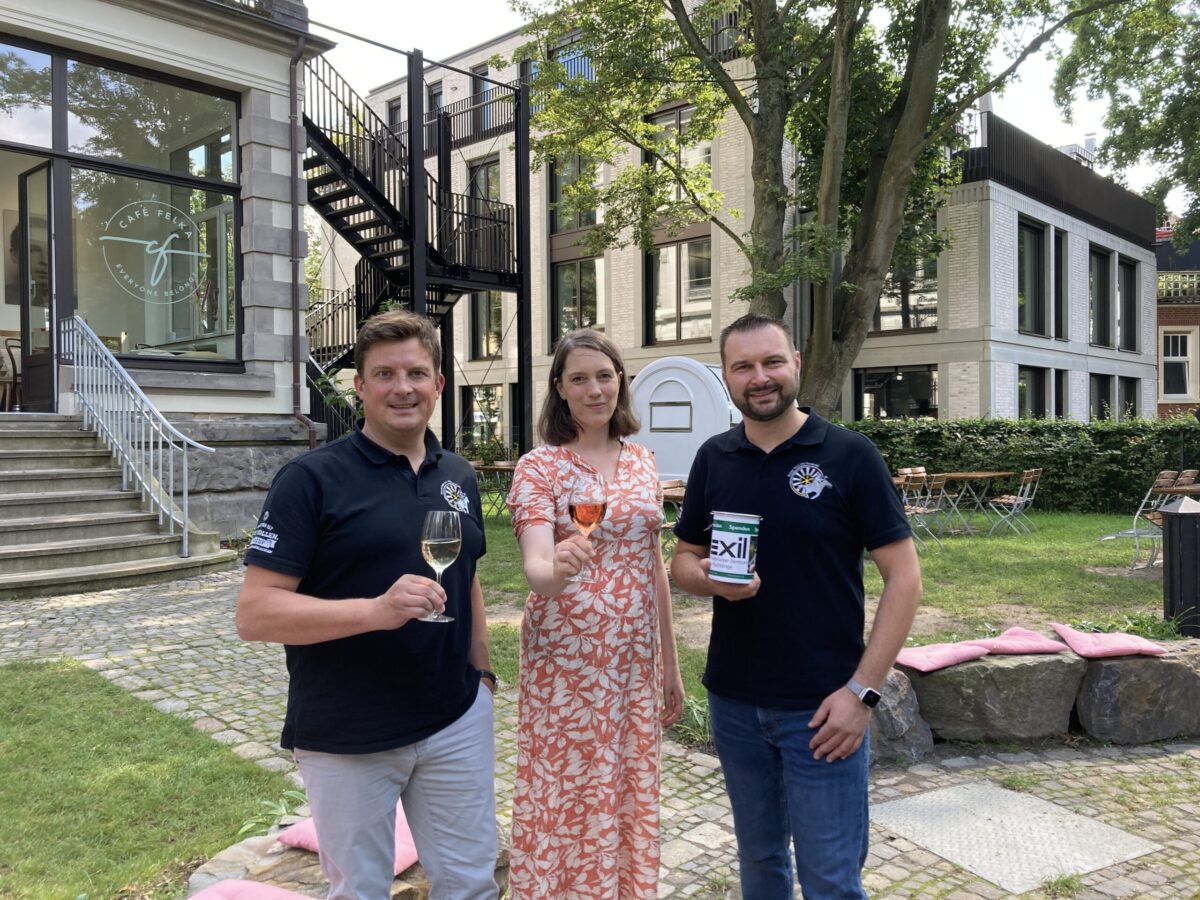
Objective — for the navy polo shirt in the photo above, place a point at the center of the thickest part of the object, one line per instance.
(346, 519)
(825, 495)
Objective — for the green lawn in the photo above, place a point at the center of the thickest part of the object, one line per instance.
(102, 796)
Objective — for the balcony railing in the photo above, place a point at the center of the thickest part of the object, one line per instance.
(1179, 287)
(1010, 157)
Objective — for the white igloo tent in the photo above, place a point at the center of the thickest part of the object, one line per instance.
(681, 403)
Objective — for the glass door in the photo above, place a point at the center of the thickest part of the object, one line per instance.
(38, 338)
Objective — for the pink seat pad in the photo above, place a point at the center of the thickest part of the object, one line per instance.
(304, 835)
(1099, 646)
(932, 657)
(1019, 640)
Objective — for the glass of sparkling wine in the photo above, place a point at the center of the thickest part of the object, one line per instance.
(441, 538)
(587, 504)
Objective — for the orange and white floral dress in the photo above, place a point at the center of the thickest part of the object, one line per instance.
(586, 796)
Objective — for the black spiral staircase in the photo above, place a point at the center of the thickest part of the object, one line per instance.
(421, 246)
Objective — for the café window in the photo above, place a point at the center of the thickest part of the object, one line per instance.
(142, 121)
(25, 84)
(896, 393)
(679, 292)
(909, 298)
(155, 267)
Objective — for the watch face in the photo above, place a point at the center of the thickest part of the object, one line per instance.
(870, 697)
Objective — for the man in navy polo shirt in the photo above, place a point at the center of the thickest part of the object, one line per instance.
(790, 684)
(380, 704)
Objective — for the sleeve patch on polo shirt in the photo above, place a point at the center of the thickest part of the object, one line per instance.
(265, 538)
(808, 481)
(454, 495)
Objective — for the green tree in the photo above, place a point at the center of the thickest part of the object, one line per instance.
(867, 94)
(1143, 59)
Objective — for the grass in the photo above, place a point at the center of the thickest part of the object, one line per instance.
(105, 797)
(1063, 886)
(982, 581)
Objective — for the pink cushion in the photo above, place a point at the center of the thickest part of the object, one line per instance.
(932, 657)
(236, 889)
(1020, 640)
(1097, 646)
(304, 835)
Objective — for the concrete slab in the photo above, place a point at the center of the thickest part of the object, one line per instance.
(1013, 840)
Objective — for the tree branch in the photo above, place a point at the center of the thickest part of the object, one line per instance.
(966, 102)
(711, 63)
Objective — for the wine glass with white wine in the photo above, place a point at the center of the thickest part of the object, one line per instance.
(587, 505)
(441, 539)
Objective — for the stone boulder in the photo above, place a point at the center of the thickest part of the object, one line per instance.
(1000, 698)
(897, 729)
(1137, 699)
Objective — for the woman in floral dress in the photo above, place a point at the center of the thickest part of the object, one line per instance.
(599, 673)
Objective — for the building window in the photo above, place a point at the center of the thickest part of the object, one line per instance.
(487, 325)
(1061, 391)
(577, 296)
(1031, 393)
(574, 62)
(484, 180)
(434, 99)
(1031, 291)
(674, 125)
(27, 105)
(1176, 365)
(679, 291)
(482, 407)
(1099, 299)
(896, 393)
(481, 100)
(395, 113)
(1100, 396)
(566, 214)
(1127, 305)
(1061, 305)
(909, 300)
(1127, 397)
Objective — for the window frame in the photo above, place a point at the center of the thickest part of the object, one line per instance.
(556, 329)
(1059, 291)
(1126, 305)
(483, 305)
(554, 195)
(1035, 393)
(932, 369)
(1100, 330)
(1031, 317)
(650, 294)
(921, 276)
(1191, 334)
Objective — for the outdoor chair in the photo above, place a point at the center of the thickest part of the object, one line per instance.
(1012, 509)
(919, 508)
(672, 489)
(1147, 521)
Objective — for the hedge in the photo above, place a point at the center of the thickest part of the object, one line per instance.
(1103, 466)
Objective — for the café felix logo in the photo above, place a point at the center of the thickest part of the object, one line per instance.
(143, 245)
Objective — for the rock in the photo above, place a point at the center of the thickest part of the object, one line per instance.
(897, 729)
(1137, 699)
(1000, 698)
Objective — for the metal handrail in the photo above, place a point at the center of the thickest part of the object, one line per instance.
(135, 431)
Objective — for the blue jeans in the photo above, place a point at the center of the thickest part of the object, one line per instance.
(777, 790)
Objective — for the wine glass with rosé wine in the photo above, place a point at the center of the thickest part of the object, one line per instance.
(587, 503)
(441, 539)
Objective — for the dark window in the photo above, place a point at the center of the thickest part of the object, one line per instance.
(1099, 300)
(1127, 305)
(909, 300)
(487, 325)
(481, 419)
(1100, 396)
(1061, 387)
(566, 214)
(434, 99)
(481, 97)
(1031, 292)
(1127, 397)
(396, 115)
(1176, 363)
(484, 180)
(1061, 304)
(679, 292)
(577, 296)
(896, 393)
(1031, 393)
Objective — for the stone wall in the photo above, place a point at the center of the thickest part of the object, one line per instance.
(228, 486)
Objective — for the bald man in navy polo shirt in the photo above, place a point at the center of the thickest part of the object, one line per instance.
(790, 683)
(382, 705)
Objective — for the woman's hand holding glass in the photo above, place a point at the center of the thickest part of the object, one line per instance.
(571, 556)
(587, 504)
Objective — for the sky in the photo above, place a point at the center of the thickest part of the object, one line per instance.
(442, 28)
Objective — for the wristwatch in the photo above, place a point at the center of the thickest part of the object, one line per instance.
(868, 695)
(487, 673)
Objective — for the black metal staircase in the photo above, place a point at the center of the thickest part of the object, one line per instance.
(421, 246)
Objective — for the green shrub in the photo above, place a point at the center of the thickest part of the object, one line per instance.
(1103, 466)
(488, 452)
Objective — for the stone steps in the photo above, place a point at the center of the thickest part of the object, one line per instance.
(66, 526)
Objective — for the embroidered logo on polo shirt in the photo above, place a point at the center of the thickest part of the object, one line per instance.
(265, 536)
(455, 496)
(807, 480)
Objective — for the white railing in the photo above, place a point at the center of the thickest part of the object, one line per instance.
(152, 452)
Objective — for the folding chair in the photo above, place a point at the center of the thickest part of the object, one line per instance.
(1147, 521)
(1011, 509)
(918, 507)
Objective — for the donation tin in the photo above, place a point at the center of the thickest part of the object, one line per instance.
(734, 547)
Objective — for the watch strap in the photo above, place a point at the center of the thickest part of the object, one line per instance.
(861, 691)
